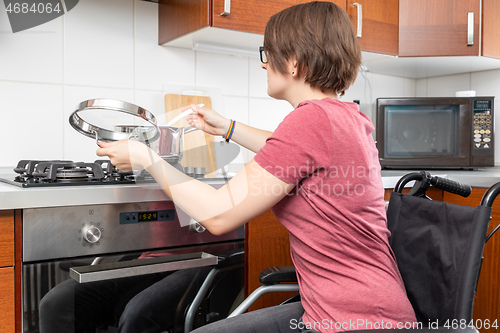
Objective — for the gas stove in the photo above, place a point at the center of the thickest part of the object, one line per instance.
(47, 173)
(40, 173)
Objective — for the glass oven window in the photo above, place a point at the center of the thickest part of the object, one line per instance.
(421, 131)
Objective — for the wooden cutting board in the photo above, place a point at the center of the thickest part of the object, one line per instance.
(192, 157)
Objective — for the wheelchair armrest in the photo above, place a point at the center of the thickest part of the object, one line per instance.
(279, 274)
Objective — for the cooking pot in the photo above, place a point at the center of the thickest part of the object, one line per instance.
(170, 143)
(97, 118)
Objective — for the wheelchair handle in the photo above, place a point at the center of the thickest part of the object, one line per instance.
(424, 179)
(451, 186)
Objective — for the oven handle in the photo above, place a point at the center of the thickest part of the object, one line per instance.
(115, 270)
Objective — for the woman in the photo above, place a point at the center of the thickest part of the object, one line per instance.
(319, 171)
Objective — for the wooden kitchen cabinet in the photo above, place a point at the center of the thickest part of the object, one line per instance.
(439, 28)
(266, 245)
(428, 28)
(491, 29)
(7, 300)
(487, 300)
(379, 24)
(6, 238)
(406, 28)
(180, 17)
(7, 285)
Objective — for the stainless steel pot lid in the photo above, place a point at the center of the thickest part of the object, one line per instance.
(100, 119)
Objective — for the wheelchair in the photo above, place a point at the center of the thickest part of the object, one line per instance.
(438, 247)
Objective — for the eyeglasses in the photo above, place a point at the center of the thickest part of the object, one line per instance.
(263, 56)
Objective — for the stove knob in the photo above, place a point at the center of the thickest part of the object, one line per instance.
(196, 226)
(92, 234)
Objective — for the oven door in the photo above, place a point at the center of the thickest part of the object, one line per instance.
(42, 280)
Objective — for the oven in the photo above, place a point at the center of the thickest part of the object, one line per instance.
(100, 242)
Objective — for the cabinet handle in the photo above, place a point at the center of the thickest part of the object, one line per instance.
(360, 19)
(470, 28)
(227, 8)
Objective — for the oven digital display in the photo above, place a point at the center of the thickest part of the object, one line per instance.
(148, 216)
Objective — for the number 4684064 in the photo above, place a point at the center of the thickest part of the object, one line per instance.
(478, 323)
(25, 8)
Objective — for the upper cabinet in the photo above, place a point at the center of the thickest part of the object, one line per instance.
(439, 28)
(428, 37)
(180, 17)
(376, 24)
(449, 28)
(427, 28)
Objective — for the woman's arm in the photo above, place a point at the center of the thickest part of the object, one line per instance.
(213, 123)
(247, 195)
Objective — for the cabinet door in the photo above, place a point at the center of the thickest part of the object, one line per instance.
(491, 28)
(266, 245)
(180, 17)
(379, 24)
(438, 27)
(7, 317)
(487, 300)
(252, 16)
(6, 238)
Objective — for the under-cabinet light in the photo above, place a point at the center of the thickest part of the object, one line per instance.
(226, 50)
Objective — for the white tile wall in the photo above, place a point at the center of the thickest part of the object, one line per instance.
(157, 66)
(32, 121)
(99, 44)
(445, 85)
(34, 55)
(108, 48)
(231, 73)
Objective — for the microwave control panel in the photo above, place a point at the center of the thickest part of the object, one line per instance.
(482, 124)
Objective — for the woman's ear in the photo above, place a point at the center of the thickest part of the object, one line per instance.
(293, 69)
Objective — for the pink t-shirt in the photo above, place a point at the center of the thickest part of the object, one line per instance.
(336, 218)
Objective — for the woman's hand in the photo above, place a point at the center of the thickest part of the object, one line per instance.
(208, 121)
(128, 155)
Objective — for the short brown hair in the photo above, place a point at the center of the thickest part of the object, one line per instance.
(321, 36)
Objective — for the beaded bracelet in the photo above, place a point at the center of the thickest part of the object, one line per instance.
(230, 131)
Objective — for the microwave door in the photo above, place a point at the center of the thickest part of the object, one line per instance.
(426, 135)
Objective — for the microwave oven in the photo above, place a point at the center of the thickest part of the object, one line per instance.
(435, 132)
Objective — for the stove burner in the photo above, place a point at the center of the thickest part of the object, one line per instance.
(72, 173)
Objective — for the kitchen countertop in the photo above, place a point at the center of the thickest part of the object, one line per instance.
(14, 197)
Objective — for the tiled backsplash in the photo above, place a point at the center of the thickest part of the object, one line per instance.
(108, 48)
